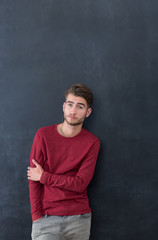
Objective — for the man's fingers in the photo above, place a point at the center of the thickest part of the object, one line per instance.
(28, 171)
(34, 173)
(28, 174)
(36, 164)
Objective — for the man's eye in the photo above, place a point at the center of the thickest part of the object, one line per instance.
(69, 105)
(80, 107)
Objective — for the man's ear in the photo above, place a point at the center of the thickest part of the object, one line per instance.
(64, 106)
(88, 112)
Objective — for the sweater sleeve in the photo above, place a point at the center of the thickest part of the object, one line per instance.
(35, 188)
(80, 181)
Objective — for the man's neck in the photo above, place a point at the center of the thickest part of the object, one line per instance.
(68, 130)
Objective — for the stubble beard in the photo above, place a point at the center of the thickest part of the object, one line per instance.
(79, 122)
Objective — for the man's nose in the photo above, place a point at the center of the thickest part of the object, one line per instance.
(73, 110)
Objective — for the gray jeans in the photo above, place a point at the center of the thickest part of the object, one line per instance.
(75, 227)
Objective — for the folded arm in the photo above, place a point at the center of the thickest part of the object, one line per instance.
(77, 183)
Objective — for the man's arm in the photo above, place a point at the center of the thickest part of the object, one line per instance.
(35, 188)
(77, 183)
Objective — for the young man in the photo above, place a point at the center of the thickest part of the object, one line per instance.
(62, 163)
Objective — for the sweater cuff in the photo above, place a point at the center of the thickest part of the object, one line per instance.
(45, 177)
(36, 216)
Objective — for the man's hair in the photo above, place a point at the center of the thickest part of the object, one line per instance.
(80, 90)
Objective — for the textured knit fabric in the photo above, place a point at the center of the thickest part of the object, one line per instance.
(68, 165)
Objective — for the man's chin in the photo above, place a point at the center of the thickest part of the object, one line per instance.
(75, 123)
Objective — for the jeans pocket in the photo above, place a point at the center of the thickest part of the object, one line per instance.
(36, 228)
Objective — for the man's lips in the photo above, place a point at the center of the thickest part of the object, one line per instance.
(72, 117)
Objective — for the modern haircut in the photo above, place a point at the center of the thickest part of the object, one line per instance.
(80, 90)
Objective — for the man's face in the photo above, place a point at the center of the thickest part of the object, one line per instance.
(75, 110)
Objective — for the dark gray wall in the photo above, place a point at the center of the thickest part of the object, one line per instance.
(111, 46)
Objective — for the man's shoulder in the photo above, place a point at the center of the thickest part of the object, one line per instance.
(46, 129)
(90, 135)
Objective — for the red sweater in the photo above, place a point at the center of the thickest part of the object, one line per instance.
(68, 165)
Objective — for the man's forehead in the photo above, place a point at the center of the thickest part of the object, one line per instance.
(76, 99)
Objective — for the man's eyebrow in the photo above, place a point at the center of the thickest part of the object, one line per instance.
(77, 103)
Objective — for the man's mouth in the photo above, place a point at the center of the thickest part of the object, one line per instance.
(72, 117)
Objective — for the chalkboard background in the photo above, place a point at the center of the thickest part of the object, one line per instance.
(112, 47)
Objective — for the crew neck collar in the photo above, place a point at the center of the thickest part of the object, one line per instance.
(67, 137)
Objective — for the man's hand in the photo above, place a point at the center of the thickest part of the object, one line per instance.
(34, 173)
